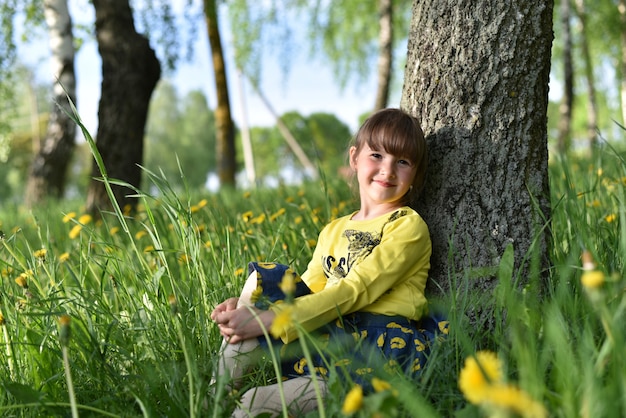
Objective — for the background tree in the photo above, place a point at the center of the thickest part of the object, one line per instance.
(49, 166)
(130, 71)
(225, 132)
(355, 36)
(180, 132)
(566, 105)
(323, 137)
(478, 81)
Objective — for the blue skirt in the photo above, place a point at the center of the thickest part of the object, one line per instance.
(358, 345)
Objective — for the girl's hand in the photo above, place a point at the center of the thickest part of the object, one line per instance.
(243, 323)
(228, 305)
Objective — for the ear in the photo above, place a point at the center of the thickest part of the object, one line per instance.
(353, 155)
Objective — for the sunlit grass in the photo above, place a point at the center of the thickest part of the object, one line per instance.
(134, 292)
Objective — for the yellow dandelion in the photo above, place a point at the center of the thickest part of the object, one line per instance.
(362, 371)
(353, 401)
(380, 385)
(183, 258)
(40, 253)
(114, 230)
(288, 283)
(246, 195)
(203, 203)
(2, 320)
(610, 218)
(75, 231)
(6, 271)
(64, 257)
(68, 217)
(478, 373)
(592, 279)
(194, 208)
(311, 243)
(127, 209)
(207, 244)
(246, 216)
(298, 220)
(515, 399)
(594, 204)
(282, 322)
(289, 199)
(258, 220)
(239, 271)
(140, 234)
(148, 249)
(22, 281)
(84, 219)
(200, 228)
(280, 212)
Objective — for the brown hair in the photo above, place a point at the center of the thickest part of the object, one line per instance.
(398, 133)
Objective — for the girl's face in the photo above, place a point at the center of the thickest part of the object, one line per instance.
(383, 178)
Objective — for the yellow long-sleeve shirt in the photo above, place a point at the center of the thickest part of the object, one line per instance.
(378, 265)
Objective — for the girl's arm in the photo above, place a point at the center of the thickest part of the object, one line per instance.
(404, 252)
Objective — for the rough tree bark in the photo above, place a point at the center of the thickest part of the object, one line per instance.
(225, 135)
(477, 78)
(130, 71)
(49, 167)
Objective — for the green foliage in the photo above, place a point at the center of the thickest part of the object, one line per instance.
(139, 289)
(344, 32)
(180, 137)
(322, 136)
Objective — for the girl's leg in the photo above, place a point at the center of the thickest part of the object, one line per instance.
(299, 394)
(235, 359)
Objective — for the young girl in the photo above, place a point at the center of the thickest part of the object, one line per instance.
(364, 285)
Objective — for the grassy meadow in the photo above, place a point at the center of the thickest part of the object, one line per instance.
(110, 317)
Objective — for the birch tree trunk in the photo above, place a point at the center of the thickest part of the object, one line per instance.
(566, 105)
(130, 71)
(477, 78)
(592, 101)
(49, 167)
(622, 65)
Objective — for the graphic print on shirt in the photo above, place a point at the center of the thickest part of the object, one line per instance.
(360, 245)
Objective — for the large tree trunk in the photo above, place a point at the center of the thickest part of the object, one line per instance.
(477, 78)
(566, 105)
(49, 166)
(130, 71)
(225, 135)
(385, 52)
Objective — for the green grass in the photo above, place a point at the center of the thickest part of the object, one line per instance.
(139, 291)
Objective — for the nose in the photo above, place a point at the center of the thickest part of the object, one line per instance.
(388, 169)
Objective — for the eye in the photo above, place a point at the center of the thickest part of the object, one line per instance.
(376, 155)
(404, 162)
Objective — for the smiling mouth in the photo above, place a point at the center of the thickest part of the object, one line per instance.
(384, 183)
